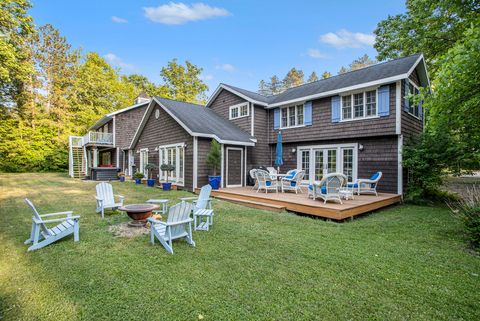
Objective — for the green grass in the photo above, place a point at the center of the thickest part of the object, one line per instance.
(402, 263)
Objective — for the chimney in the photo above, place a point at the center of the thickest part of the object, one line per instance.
(141, 98)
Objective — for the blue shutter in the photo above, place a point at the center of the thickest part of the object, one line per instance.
(384, 101)
(406, 102)
(276, 118)
(307, 113)
(335, 109)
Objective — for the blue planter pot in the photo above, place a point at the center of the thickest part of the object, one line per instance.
(214, 181)
(122, 178)
(166, 186)
(138, 181)
(151, 182)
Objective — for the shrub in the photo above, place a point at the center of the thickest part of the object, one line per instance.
(468, 211)
(167, 168)
(214, 157)
(150, 167)
(138, 175)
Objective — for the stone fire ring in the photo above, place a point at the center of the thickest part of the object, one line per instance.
(138, 213)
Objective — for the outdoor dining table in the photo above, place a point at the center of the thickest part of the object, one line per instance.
(278, 176)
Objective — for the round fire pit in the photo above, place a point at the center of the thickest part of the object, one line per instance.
(138, 213)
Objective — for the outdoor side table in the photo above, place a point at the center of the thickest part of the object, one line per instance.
(346, 193)
(162, 202)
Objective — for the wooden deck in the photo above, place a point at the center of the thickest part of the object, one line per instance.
(301, 204)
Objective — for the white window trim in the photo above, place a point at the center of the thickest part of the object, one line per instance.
(418, 88)
(364, 91)
(238, 106)
(296, 116)
(142, 162)
(339, 165)
(177, 162)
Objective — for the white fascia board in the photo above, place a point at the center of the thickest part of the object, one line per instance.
(339, 90)
(233, 91)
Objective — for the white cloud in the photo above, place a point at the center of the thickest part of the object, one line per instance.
(119, 20)
(226, 67)
(180, 13)
(315, 53)
(347, 39)
(205, 77)
(116, 61)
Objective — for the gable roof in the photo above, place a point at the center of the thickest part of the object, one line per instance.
(105, 119)
(198, 121)
(384, 72)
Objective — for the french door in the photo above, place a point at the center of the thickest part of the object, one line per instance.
(318, 161)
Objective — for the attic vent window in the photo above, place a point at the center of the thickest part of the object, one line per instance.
(157, 113)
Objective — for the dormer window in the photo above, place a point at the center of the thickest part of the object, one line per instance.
(239, 111)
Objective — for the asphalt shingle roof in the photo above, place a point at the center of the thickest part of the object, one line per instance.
(200, 119)
(372, 73)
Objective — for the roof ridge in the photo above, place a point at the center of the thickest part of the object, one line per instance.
(179, 101)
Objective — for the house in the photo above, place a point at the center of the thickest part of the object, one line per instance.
(355, 123)
(104, 150)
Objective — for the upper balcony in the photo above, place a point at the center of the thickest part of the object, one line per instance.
(92, 139)
(98, 138)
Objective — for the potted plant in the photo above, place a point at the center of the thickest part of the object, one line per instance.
(167, 168)
(150, 167)
(214, 159)
(138, 177)
(121, 176)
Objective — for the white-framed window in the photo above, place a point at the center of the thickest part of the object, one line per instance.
(292, 116)
(414, 108)
(239, 111)
(359, 105)
(174, 155)
(143, 161)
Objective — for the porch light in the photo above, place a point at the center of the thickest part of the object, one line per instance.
(156, 149)
(294, 150)
(360, 147)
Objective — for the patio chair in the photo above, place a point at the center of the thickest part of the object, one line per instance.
(174, 228)
(202, 209)
(105, 198)
(253, 177)
(272, 171)
(366, 185)
(329, 187)
(42, 236)
(265, 181)
(294, 183)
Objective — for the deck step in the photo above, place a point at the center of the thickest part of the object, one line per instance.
(253, 204)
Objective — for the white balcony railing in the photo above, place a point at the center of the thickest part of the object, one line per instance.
(98, 138)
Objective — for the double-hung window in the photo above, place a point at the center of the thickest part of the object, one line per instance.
(414, 108)
(173, 155)
(238, 111)
(359, 105)
(292, 116)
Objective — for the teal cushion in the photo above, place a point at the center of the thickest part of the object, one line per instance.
(324, 189)
(375, 176)
(354, 185)
(268, 183)
(310, 187)
(293, 184)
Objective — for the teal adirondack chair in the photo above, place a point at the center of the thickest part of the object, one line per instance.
(174, 228)
(202, 209)
(42, 236)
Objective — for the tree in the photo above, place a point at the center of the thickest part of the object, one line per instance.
(16, 26)
(183, 82)
(276, 86)
(431, 27)
(455, 101)
(214, 157)
(313, 77)
(144, 84)
(359, 63)
(326, 74)
(293, 78)
(263, 88)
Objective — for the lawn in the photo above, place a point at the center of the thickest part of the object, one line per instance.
(402, 263)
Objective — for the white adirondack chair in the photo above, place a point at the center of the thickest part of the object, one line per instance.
(174, 228)
(42, 236)
(202, 209)
(105, 198)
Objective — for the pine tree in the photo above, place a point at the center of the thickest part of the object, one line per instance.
(293, 78)
(326, 74)
(313, 77)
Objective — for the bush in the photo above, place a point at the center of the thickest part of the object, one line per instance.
(138, 175)
(468, 211)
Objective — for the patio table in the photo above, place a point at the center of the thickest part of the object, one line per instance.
(163, 202)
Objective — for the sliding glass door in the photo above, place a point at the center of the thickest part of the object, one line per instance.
(318, 161)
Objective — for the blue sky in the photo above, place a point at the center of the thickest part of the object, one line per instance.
(235, 42)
